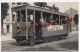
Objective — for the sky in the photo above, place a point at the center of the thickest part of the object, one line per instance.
(64, 6)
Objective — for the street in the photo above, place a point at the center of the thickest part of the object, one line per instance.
(67, 44)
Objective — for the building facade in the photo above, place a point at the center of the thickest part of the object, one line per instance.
(71, 13)
(7, 22)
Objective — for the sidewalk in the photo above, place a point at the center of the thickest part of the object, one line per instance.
(74, 32)
(6, 37)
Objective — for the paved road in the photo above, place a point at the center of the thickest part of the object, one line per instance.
(71, 43)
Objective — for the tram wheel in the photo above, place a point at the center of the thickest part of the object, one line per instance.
(66, 36)
(60, 37)
(32, 42)
(17, 40)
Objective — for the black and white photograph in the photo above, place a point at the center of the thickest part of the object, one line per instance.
(39, 26)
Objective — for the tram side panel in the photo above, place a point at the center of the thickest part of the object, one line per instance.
(57, 30)
(64, 31)
(19, 31)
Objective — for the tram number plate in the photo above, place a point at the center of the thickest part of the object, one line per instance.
(55, 28)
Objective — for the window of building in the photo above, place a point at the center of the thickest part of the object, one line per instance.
(18, 16)
(26, 3)
(13, 3)
(7, 28)
(18, 3)
(23, 16)
(13, 18)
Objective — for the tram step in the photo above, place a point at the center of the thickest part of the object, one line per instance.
(27, 41)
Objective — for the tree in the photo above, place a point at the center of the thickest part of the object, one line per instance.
(4, 10)
(40, 4)
(55, 8)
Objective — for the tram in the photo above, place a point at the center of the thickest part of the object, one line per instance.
(45, 23)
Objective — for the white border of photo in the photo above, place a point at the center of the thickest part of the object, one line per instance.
(38, 1)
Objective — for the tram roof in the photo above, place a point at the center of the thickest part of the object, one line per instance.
(17, 8)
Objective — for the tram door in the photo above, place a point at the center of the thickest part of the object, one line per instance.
(34, 20)
(38, 27)
(30, 24)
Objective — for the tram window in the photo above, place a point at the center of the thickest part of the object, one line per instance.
(66, 17)
(23, 15)
(44, 19)
(30, 16)
(18, 16)
(37, 16)
(55, 18)
(47, 17)
(62, 18)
